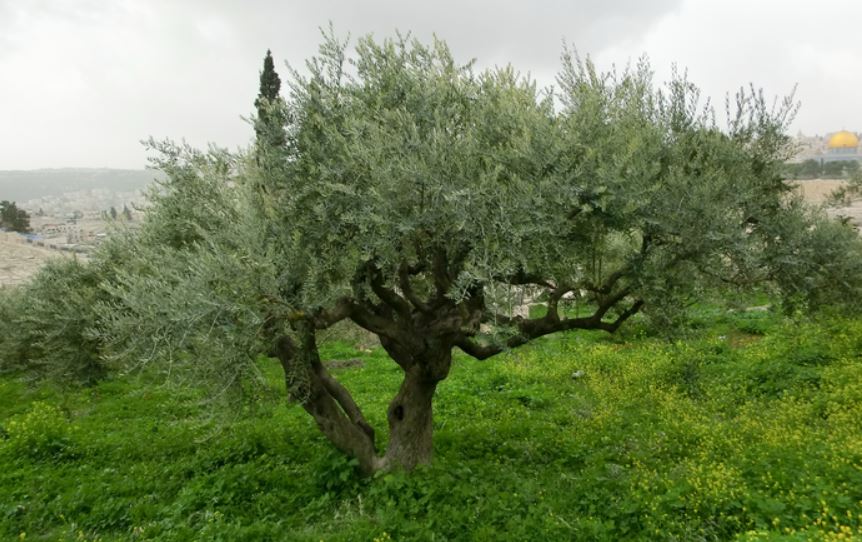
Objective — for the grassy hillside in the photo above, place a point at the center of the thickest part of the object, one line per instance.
(749, 430)
(25, 185)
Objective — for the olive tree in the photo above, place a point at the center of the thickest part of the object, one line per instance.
(422, 199)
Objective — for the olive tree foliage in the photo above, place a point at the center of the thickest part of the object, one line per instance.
(423, 200)
(191, 298)
(52, 335)
(48, 325)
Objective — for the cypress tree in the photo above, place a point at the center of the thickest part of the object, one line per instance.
(270, 83)
(269, 126)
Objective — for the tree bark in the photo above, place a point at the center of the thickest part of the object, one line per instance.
(351, 437)
(425, 362)
(333, 409)
(410, 413)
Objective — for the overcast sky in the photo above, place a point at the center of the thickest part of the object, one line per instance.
(83, 81)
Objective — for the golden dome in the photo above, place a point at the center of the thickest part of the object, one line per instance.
(843, 140)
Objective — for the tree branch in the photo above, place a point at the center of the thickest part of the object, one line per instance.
(388, 296)
(554, 298)
(440, 272)
(407, 288)
(372, 321)
(476, 350)
(551, 323)
(341, 311)
(522, 278)
(343, 398)
(324, 398)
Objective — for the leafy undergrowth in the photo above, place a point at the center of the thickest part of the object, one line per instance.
(751, 429)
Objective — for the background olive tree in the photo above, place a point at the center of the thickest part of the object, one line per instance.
(13, 218)
(423, 201)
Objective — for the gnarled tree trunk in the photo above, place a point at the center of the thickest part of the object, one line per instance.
(420, 341)
(410, 423)
(410, 412)
(338, 416)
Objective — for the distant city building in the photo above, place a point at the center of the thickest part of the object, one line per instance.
(842, 145)
(833, 147)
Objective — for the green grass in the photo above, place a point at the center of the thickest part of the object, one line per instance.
(750, 429)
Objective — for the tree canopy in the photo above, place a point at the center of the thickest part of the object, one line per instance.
(424, 201)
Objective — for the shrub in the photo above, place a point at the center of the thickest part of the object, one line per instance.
(47, 324)
(49, 327)
(42, 433)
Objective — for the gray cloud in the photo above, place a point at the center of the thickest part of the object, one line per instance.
(81, 82)
(773, 44)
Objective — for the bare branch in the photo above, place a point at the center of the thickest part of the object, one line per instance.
(476, 350)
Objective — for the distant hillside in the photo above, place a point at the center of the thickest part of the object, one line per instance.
(39, 183)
